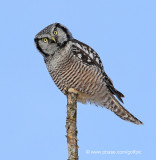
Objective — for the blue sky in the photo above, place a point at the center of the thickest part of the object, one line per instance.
(33, 110)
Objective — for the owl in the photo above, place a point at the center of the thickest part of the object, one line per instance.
(76, 67)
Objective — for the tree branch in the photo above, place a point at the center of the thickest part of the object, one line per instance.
(71, 126)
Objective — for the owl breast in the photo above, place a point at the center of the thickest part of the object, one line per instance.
(68, 71)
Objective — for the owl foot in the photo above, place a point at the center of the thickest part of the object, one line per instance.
(72, 90)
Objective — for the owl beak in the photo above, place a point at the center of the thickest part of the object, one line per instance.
(53, 39)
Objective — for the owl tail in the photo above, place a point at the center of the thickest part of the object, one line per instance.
(111, 103)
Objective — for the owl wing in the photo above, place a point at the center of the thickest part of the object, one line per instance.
(88, 56)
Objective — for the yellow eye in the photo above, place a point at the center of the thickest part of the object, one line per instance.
(55, 32)
(45, 40)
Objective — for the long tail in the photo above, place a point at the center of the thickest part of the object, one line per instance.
(111, 103)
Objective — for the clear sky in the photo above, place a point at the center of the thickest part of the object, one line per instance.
(33, 110)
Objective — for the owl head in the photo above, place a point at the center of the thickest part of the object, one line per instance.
(52, 38)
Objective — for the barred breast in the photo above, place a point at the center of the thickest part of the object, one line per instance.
(86, 80)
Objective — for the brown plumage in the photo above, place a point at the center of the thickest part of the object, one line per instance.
(76, 67)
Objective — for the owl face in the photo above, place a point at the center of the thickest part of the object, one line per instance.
(52, 38)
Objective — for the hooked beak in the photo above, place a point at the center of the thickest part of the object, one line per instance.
(53, 39)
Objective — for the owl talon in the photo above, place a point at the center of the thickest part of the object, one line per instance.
(72, 90)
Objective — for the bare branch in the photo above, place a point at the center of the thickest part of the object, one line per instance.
(71, 126)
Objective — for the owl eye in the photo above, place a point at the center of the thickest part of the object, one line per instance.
(55, 32)
(45, 40)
